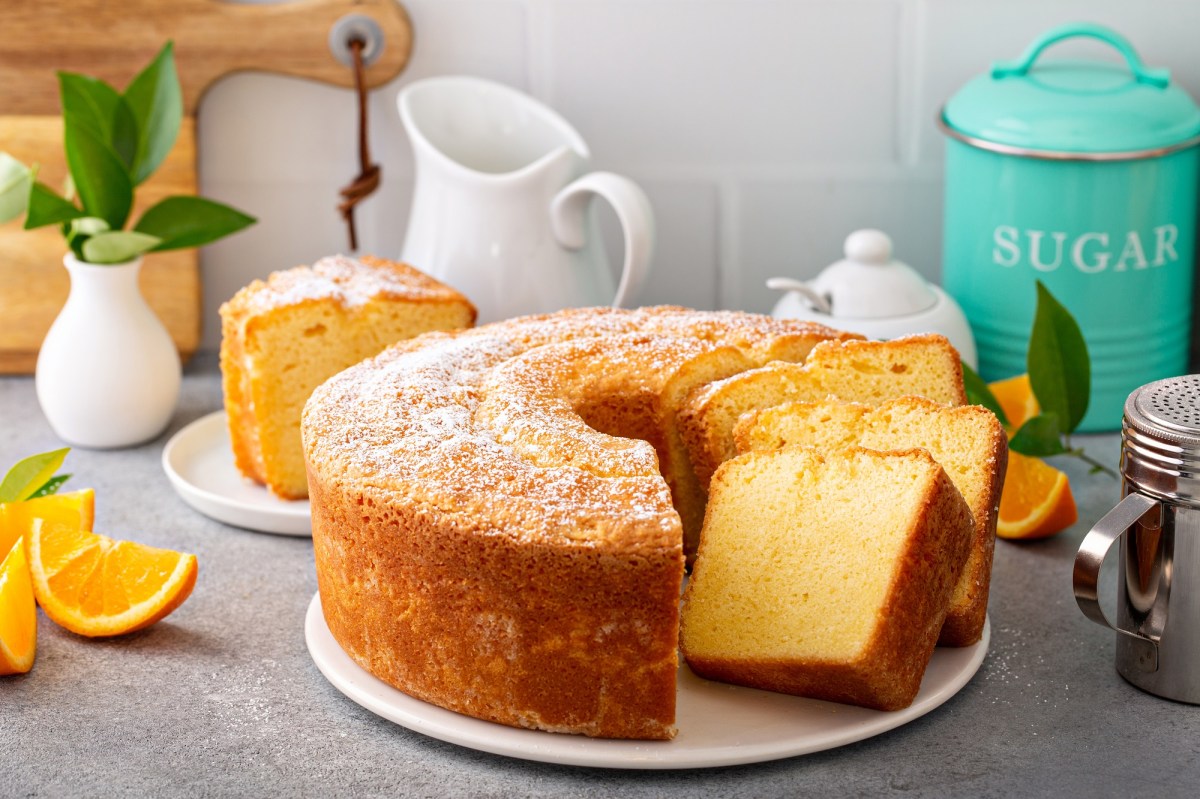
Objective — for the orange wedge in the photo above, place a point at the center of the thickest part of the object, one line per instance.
(1036, 501)
(1015, 396)
(75, 508)
(18, 615)
(96, 586)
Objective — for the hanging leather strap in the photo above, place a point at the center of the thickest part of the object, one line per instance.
(368, 176)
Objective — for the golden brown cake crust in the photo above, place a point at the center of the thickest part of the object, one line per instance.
(436, 605)
(464, 559)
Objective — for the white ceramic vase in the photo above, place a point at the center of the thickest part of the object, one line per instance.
(108, 372)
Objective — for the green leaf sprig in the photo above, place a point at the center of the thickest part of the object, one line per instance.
(34, 477)
(114, 141)
(1059, 374)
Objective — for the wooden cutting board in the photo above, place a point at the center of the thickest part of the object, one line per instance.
(113, 41)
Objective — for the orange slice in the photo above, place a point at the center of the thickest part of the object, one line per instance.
(18, 615)
(1036, 501)
(96, 586)
(75, 508)
(1015, 396)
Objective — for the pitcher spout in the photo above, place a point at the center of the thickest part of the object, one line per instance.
(485, 129)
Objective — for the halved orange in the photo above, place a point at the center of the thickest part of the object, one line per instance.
(18, 615)
(96, 586)
(1015, 396)
(1036, 501)
(75, 508)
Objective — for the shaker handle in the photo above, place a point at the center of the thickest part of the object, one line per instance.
(568, 215)
(1090, 558)
(1159, 78)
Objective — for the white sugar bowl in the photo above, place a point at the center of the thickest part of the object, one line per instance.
(872, 294)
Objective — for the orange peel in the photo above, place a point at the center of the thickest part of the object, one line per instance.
(94, 585)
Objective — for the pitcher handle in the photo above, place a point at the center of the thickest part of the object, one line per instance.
(1086, 575)
(568, 215)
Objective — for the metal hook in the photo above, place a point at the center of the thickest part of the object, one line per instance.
(351, 27)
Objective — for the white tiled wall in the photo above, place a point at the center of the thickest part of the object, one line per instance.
(763, 131)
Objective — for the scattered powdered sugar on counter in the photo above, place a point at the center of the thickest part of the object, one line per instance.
(1010, 663)
(243, 702)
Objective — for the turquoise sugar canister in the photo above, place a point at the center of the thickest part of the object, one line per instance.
(1081, 174)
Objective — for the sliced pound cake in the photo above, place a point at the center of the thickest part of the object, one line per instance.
(968, 441)
(283, 337)
(826, 576)
(854, 371)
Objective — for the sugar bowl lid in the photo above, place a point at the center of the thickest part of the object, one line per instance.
(1082, 107)
(869, 283)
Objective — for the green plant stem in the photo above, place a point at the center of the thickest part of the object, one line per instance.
(1083, 456)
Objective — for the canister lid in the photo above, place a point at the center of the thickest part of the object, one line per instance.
(1074, 106)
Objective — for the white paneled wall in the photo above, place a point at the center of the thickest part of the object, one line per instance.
(763, 131)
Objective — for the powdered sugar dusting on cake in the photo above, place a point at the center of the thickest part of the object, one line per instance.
(464, 423)
(352, 282)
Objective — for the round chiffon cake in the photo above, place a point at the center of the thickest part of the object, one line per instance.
(500, 515)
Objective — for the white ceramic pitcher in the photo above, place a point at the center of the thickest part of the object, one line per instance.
(500, 209)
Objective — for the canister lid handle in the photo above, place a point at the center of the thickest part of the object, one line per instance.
(1159, 78)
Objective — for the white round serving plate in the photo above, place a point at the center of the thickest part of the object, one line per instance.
(719, 724)
(199, 462)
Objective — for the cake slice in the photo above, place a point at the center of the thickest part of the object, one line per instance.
(968, 441)
(854, 371)
(827, 576)
(283, 337)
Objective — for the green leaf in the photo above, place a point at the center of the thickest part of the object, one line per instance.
(100, 177)
(47, 208)
(87, 226)
(1039, 437)
(15, 182)
(1059, 369)
(190, 222)
(978, 393)
(77, 231)
(51, 486)
(29, 475)
(88, 101)
(94, 104)
(156, 101)
(124, 139)
(117, 246)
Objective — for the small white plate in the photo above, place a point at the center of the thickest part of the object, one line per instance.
(199, 462)
(719, 724)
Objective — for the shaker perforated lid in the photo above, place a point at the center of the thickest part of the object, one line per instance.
(1168, 409)
(1161, 448)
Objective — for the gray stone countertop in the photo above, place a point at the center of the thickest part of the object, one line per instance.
(222, 698)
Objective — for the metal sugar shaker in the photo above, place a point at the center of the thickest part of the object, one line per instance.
(1157, 523)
